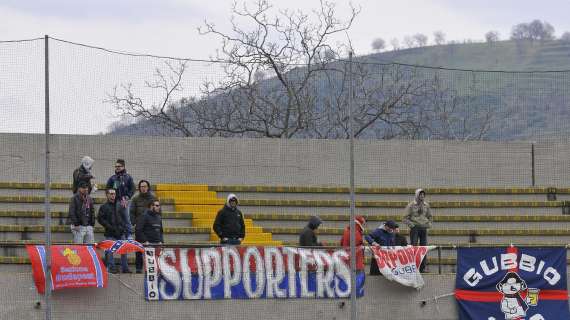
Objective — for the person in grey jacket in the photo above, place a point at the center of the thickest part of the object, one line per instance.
(308, 238)
(419, 219)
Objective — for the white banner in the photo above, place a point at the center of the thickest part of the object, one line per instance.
(401, 264)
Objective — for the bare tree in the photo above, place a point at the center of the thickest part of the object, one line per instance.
(491, 37)
(421, 39)
(293, 48)
(409, 42)
(395, 43)
(439, 38)
(535, 30)
(164, 112)
(378, 44)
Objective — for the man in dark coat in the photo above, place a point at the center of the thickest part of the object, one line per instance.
(81, 216)
(308, 238)
(115, 229)
(139, 204)
(229, 224)
(381, 236)
(149, 225)
(123, 183)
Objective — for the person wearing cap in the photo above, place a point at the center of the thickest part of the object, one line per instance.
(229, 224)
(419, 219)
(360, 223)
(81, 215)
(83, 173)
(382, 236)
(124, 185)
(308, 238)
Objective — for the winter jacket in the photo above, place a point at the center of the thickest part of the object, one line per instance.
(81, 211)
(111, 220)
(139, 204)
(308, 238)
(123, 183)
(381, 237)
(149, 227)
(81, 174)
(358, 235)
(229, 221)
(418, 213)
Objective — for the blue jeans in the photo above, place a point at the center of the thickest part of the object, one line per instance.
(110, 259)
(126, 217)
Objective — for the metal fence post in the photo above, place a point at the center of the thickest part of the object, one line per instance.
(47, 207)
(353, 313)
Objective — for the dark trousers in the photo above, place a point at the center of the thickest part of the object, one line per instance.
(231, 241)
(418, 236)
(139, 261)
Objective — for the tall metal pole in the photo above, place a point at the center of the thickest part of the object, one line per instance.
(353, 314)
(47, 209)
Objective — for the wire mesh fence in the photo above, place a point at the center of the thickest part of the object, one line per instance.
(489, 149)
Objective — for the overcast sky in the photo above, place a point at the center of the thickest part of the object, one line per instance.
(168, 27)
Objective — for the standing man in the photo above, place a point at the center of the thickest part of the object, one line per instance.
(81, 216)
(419, 219)
(115, 228)
(139, 204)
(149, 226)
(308, 238)
(123, 183)
(360, 223)
(229, 224)
(83, 173)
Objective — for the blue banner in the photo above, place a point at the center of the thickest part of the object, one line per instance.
(250, 273)
(512, 283)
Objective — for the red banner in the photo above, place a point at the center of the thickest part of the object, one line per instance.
(72, 266)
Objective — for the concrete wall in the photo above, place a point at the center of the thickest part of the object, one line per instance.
(123, 299)
(289, 162)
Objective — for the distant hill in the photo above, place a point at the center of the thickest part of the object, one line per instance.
(499, 56)
(528, 95)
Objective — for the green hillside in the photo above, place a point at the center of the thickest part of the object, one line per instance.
(499, 56)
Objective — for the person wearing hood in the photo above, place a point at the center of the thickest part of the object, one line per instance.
(419, 219)
(308, 238)
(83, 173)
(359, 222)
(229, 224)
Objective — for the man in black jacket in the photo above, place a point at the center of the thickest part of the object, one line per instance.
(149, 226)
(115, 229)
(308, 238)
(229, 224)
(81, 216)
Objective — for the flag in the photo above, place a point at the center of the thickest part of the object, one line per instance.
(72, 266)
(511, 283)
(401, 264)
(231, 272)
(120, 246)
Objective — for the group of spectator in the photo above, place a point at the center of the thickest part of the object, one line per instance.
(119, 215)
(417, 217)
(124, 211)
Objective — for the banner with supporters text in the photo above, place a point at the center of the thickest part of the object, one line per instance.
(512, 283)
(401, 264)
(72, 266)
(250, 272)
